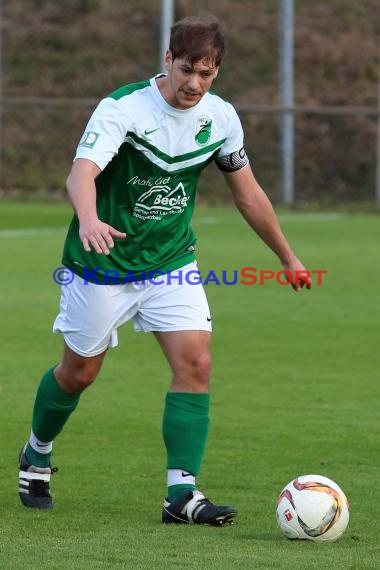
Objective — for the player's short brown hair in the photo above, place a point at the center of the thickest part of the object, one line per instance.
(196, 38)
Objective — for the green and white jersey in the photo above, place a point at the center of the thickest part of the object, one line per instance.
(150, 155)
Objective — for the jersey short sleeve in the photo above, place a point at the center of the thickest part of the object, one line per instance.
(104, 133)
(231, 155)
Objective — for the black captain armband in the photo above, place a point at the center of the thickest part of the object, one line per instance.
(232, 162)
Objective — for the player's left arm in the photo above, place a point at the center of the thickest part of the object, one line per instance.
(256, 208)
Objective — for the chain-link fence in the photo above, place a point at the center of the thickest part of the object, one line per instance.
(60, 58)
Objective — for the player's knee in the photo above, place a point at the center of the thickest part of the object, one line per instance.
(203, 365)
(199, 367)
(83, 378)
(75, 380)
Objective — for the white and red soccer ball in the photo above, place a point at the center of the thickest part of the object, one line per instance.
(312, 507)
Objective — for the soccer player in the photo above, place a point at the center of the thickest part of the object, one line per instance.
(130, 245)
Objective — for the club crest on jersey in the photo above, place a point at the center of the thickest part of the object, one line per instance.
(89, 139)
(203, 131)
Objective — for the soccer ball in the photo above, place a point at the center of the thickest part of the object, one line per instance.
(312, 507)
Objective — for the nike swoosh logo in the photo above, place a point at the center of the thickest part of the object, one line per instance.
(209, 319)
(186, 474)
(149, 132)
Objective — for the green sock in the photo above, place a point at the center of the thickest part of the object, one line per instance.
(175, 491)
(52, 409)
(185, 429)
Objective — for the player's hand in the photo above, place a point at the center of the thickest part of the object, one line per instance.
(301, 277)
(99, 236)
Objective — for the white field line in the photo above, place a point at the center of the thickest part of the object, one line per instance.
(30, 232)
(205, 221)
(288, 217)
(312, 217)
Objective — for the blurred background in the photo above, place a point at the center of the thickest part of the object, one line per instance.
(59, 58)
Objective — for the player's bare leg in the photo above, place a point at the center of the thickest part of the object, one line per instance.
(76, 372)
(188, 354)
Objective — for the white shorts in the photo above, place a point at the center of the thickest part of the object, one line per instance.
(90, 314)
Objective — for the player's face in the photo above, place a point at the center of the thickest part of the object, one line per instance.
(186, 84)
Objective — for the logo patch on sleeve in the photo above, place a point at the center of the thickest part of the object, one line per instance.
(89, 139)
(203, 131)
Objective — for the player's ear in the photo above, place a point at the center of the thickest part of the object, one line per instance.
(168, 60)
(216, 71)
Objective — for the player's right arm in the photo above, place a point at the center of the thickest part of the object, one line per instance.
(82, 193)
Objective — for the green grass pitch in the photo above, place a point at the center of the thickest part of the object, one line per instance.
(294, 391)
